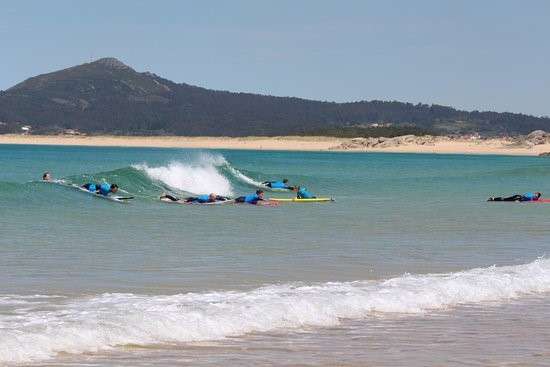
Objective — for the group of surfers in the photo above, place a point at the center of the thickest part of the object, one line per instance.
(301, 192)
(257, 198)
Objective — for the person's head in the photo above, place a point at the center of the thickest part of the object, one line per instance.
(212, 197)
(114, 188)
(296, 188)
(260, 192)
(285, 181)
(46, 176)
(537, 195)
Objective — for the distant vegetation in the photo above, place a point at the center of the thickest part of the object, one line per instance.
(108, 97)
(369, 132)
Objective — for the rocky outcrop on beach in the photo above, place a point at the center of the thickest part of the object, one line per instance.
(537, 137)
(382, 142)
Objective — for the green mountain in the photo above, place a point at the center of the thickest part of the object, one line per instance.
(109, 97)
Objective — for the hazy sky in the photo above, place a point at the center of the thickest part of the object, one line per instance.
(486, 55)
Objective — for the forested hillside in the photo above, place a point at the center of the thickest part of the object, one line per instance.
(109, 97)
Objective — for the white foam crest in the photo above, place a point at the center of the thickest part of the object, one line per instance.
(198, 177)
(105, 321)
(241, 176)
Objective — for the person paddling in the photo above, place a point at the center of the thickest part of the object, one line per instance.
(525, 197)
(251, 199)
(301, 193)
(278, 184)
(202, 199)
(101, 189)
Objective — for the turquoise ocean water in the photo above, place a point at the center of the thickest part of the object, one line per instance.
(409, 266)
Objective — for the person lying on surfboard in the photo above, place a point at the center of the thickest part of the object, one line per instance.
(251, 199)
(278, 184)
(101, 189)
(196, 199)
(301, 193)
(526, 197)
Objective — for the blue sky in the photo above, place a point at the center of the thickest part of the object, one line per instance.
(486, 55)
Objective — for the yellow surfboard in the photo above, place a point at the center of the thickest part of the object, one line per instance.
(296, 200)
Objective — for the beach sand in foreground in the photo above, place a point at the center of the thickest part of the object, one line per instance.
(298, 143)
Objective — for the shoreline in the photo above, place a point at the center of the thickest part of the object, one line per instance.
(440, 145)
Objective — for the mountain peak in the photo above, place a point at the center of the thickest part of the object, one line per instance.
(111, 62)
(107, 96)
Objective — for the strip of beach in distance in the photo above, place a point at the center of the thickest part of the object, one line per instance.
(439, 145)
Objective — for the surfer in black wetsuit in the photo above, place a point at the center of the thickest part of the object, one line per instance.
(199, 199)
(168, 196)
(526, 197)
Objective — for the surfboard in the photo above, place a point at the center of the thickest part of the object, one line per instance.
(182, 201)
(118, 199)
(123, 199)
(268, 202)
(518, 201)
(296, 200)
(262, 203)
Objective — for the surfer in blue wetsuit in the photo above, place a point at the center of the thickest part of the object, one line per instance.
(251, 199)
(202, 199)
(301, 193)
(278, 184)
(101, 189)
(196, 199)
(525, 197)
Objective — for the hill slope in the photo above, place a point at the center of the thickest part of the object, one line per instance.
(109, 97)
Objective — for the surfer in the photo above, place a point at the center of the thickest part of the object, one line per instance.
(251, 199)
(47, 177)
(196, 199)
(525, 197)
(102, 189)
(278, 184)
(301, 193)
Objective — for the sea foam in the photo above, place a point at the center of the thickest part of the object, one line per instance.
(199, 176)
(39, 327)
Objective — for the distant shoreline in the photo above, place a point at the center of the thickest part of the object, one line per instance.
(298, 143)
